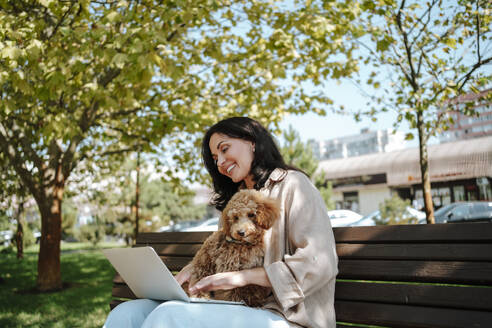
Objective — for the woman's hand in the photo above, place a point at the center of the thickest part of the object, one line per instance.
(230, 280)
(185, 274)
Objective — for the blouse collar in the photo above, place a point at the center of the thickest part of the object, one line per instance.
(277, 175)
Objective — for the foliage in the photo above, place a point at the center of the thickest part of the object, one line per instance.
(420, 56)
(393, 211)
(114, 202)
(325, 188)
(89, 81)
(92, 232)
(70, 214)
(300, 155)
(429, 52)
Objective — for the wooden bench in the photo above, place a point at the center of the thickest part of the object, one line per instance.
(391, 276)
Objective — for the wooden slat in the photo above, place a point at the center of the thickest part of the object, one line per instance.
(172, 237)
(471, 298)
(114, 303)
(441, 252)
(188, 250)
(477, 273)
(459, 232)
(407, 316)
(122, 291)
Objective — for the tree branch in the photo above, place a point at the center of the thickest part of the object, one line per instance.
(468, 75)
(60, 22)
(412, 75)
(478, 35)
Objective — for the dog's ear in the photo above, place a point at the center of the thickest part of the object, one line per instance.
(225, 225)
(267, 211)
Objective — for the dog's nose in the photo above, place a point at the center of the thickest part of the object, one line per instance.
(241, 233)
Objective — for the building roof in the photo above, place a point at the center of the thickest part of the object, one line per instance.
(449, 161)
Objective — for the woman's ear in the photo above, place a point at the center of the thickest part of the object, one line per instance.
(267, 211)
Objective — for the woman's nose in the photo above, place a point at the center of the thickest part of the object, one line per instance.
(220, 161)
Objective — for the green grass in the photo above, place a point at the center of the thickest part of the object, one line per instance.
(85, 303)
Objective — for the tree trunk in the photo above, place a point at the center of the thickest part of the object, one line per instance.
(424, 169)
(49, 273)
(19, 235)
(137, 196)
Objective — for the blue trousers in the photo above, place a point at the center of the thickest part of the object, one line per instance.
(176, 314)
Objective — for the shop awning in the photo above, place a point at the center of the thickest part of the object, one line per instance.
(448, 161)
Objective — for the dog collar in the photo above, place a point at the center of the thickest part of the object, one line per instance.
(235, 241)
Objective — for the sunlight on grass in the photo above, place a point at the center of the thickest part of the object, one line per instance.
(85, 303)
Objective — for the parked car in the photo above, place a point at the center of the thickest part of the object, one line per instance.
(368, 220)
(208, 225)
(181, 225)
(464, 212)
(6, 237)
(343, 218)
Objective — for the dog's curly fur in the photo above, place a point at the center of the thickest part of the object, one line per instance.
(238, 245)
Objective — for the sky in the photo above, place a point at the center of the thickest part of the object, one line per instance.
(313, 126)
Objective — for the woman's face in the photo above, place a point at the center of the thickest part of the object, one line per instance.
(233, 157)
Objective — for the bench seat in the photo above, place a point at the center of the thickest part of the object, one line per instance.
(391, 276)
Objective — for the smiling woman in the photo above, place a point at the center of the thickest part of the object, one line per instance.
(299, 263)
(233, 157)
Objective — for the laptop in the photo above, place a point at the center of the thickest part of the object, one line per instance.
(148, 277)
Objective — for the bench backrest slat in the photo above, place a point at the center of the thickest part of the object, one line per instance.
(418, 233)
(396, 276)
(406, 251)
(408, 316)
(474, 273)
(472, 298)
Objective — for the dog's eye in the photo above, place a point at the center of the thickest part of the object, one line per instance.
(236, 218)
(251, 215)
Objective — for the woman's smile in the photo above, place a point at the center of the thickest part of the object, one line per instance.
(233, 157)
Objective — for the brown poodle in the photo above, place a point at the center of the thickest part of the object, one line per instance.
(238, 245)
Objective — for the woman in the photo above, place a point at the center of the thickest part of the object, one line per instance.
(300, 263)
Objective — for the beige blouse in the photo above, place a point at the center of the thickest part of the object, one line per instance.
(300, 257)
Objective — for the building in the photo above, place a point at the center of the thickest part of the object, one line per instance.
(367, 142)
(466, 126)
(459, 170)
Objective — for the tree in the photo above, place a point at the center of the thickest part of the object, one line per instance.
(299, 154)
(83, 80)
(393, 211)
(160, 202)
(13, 197)
(422, 54)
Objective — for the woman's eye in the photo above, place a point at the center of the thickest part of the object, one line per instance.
(224, 149)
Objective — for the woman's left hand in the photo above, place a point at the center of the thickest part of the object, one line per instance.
(219, 281)
(230, 280)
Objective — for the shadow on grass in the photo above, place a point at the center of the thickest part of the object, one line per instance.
(83, 302)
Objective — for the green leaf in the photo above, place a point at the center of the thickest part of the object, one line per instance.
(11, 53)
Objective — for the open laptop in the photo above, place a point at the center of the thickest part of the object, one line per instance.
(148, 277)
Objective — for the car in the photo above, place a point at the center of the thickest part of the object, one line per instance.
(343, 218)
(208, 225)
(180, 225)
(6, 237)
(368, 220)
(476, 211)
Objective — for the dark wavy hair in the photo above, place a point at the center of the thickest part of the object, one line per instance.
(267, 157)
